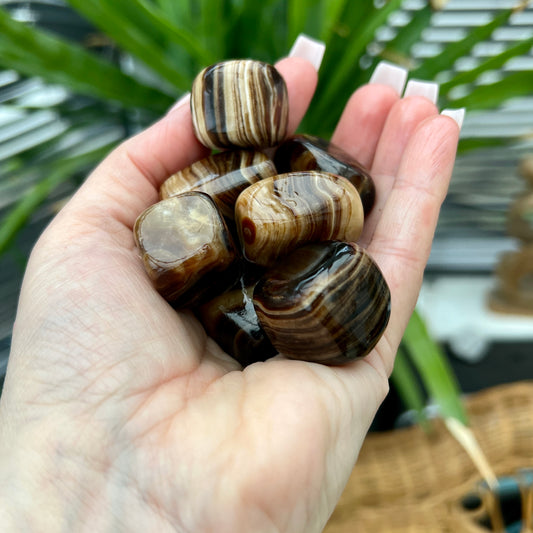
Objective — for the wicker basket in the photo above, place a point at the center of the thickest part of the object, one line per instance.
(407, 481)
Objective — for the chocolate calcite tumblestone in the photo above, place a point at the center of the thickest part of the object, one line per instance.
(186, 248)
(223, 176)
(239, 103)
(276, 215)
(230, 320)
(326, 302)
(307, 152)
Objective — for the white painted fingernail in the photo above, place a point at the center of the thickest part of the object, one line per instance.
(427, 89)
(308, 48)
(184, 100)
(457, 114)
(391, 75)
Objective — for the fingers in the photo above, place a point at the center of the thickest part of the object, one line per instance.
(378, 122)
(294, 70)
(410, 151)
(309, 53)
(401, 123)
(402, 239)
(360, 126)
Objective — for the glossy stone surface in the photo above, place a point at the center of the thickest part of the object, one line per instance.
(278, 214)
(186, 248)
(239, 103)
(306, 152)
(230, 319)
(326, 303)
(222, 176)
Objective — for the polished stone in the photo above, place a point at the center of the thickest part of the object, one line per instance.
(222, 176)
(239, 103)
(307, 152)
(186, 248)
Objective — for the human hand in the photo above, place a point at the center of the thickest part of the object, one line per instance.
(119, 414)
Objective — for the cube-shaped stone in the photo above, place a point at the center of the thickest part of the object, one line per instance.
(186, 248)
(239, 103)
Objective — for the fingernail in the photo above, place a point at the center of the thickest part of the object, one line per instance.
(457, 114)
(308, 48)
(391, 75)
(426, 89)
(184, 100)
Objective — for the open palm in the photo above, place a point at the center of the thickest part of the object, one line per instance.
(119, 414)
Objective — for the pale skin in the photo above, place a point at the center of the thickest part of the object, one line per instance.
(120, 415)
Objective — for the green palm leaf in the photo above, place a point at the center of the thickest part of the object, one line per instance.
(434, 369)
(475, 143)
(408, 387)
(55, 173)
(493, 63)
(443, 61)
(343, 59)
(332, 10)
(266, 41)
(492, 95)
(147, 35)
(310, 24)
(36, 53)
(398, 49)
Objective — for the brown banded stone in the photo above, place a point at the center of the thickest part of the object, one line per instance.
(326, 303)
(242, 103)
(186, 248)
(280, 213)
(307, 152)
(230, 320)
(222, 176)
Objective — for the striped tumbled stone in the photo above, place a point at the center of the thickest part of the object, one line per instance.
(326, 303)
(222, 176)
(186, 248)
(240, 103)
(307, 152)
(280, 213)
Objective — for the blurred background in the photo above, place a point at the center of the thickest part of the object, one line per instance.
(79, 76)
